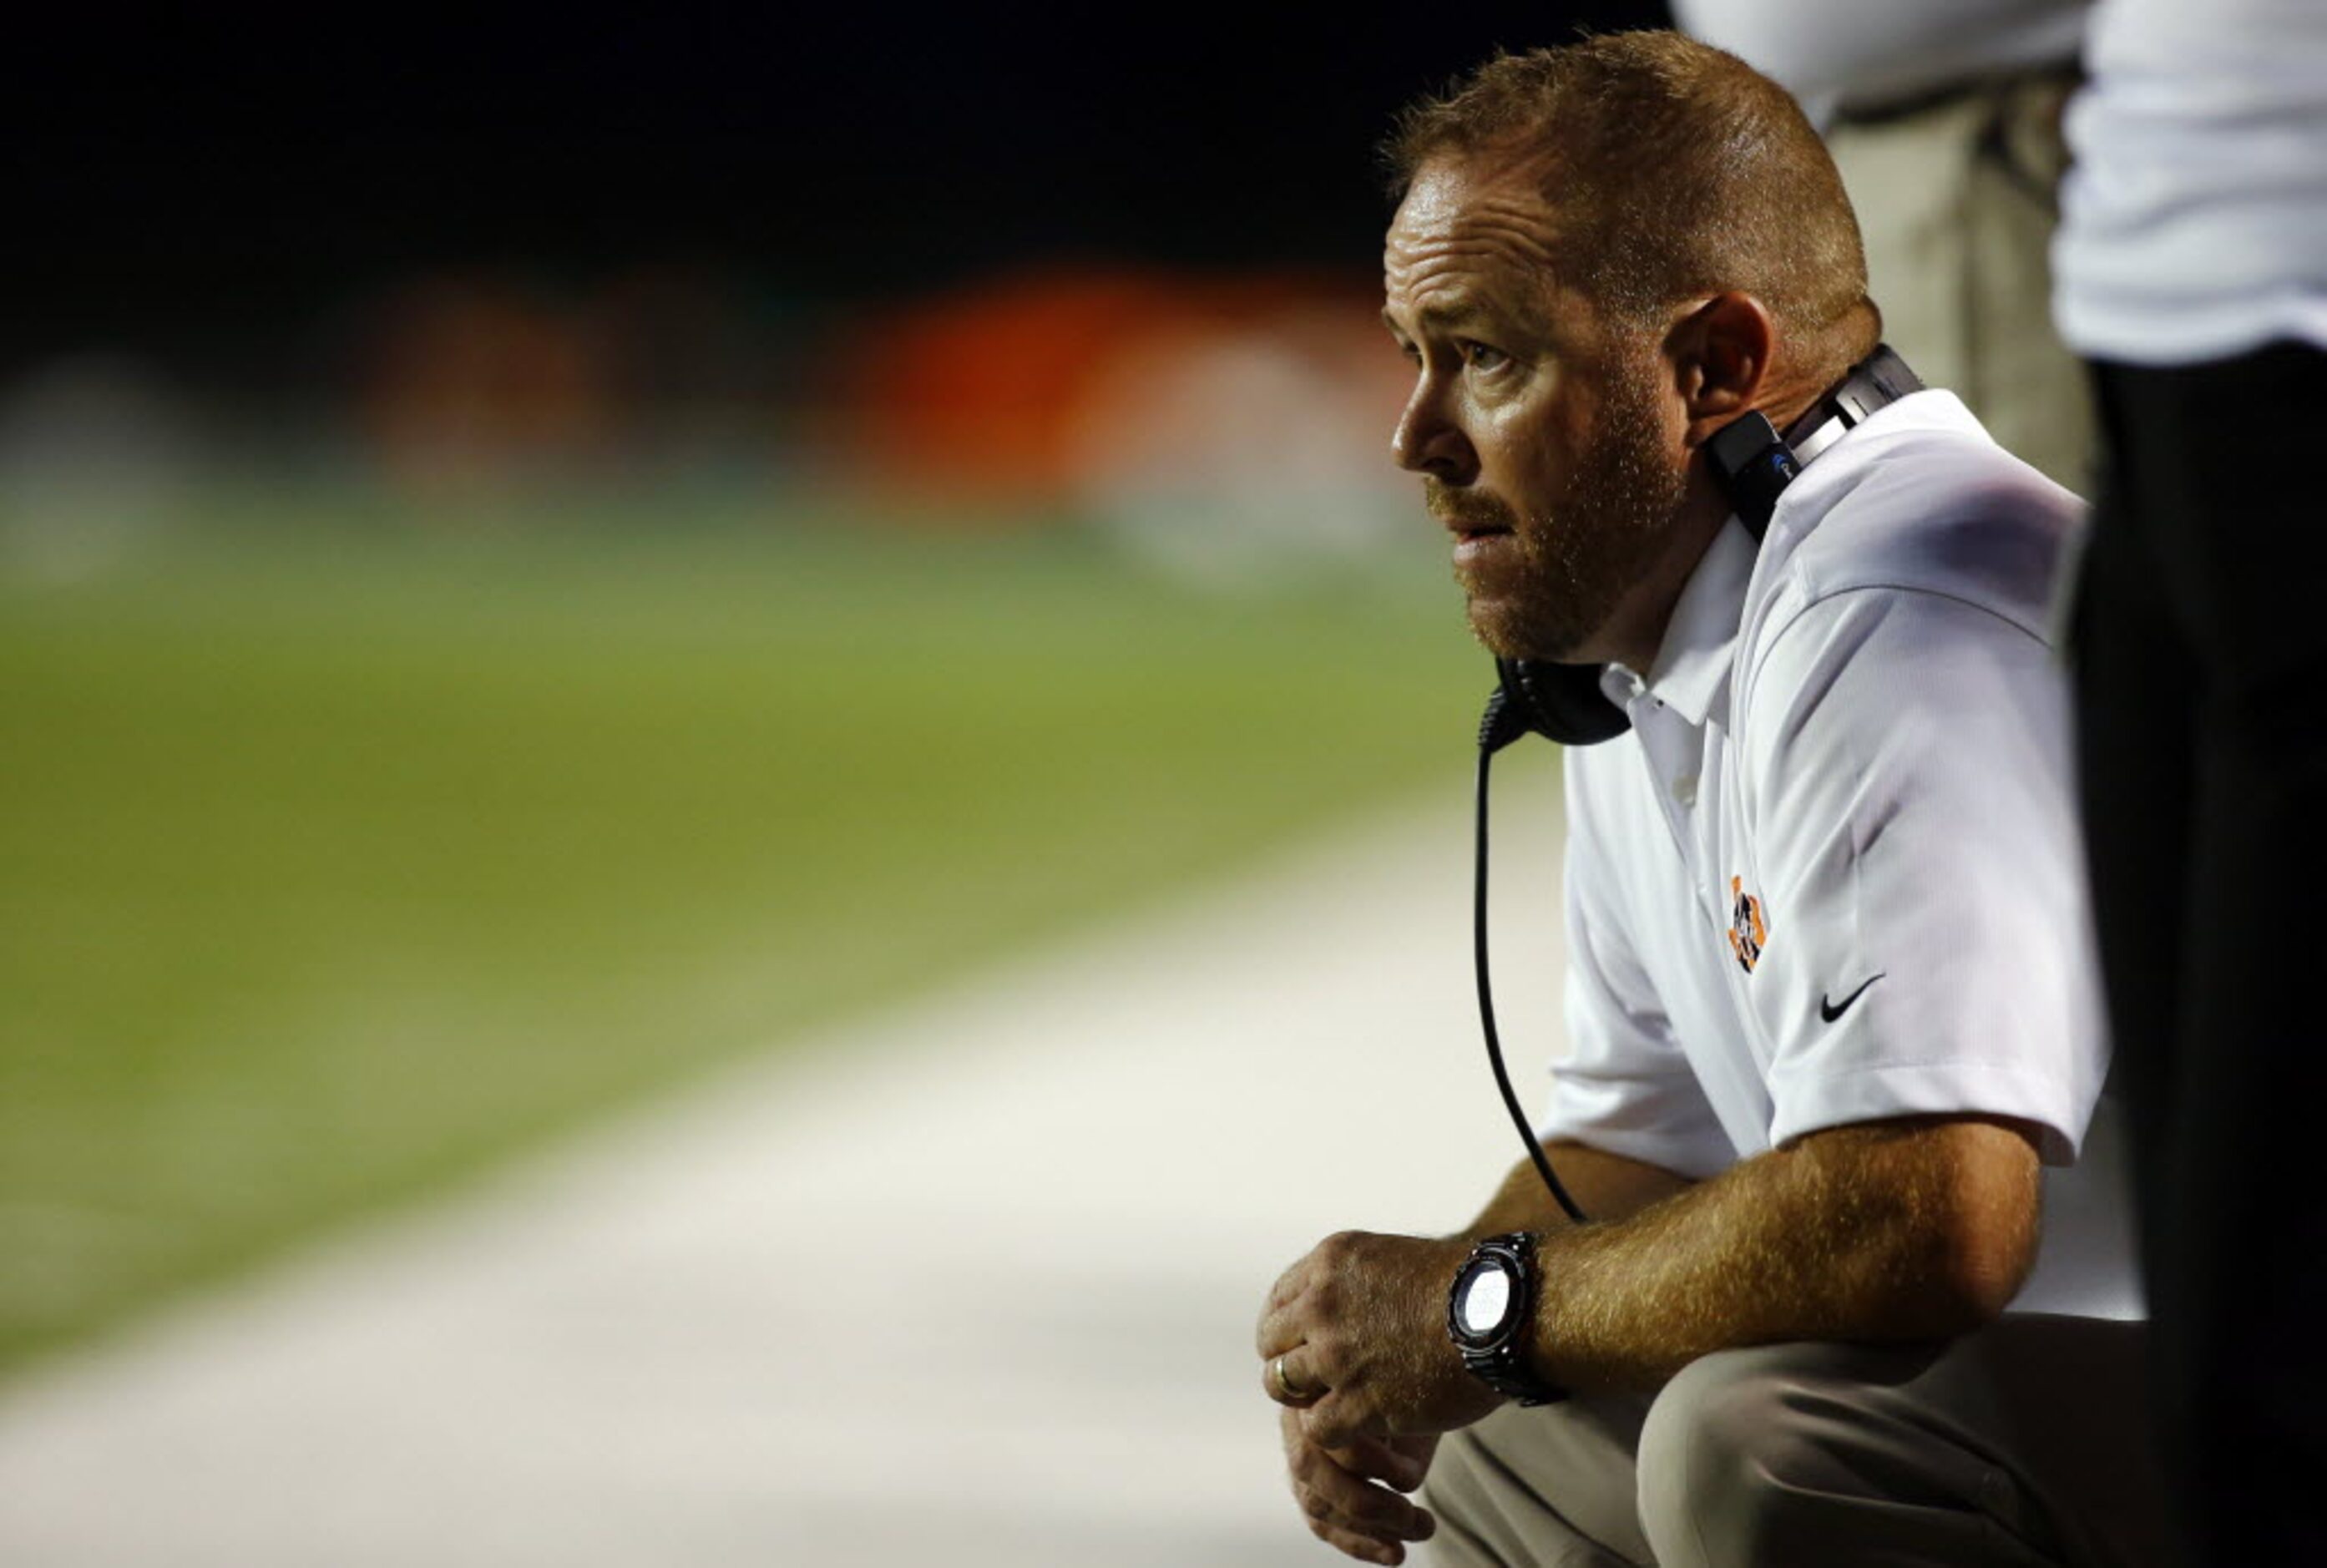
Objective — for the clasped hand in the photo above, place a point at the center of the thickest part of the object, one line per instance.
(1353, 1344)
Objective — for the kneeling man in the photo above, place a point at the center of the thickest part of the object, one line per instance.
(1830, 999)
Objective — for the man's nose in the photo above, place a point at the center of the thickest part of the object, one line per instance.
(1427, 442)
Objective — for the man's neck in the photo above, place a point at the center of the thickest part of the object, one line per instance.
(1647, 613)
(1640, 622)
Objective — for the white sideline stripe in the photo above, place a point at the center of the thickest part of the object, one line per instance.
(971, 1282)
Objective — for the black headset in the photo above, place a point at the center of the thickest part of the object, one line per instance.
(1753, 464)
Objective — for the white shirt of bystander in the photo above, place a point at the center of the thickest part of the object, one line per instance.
(2195, 220)
(1840, 56)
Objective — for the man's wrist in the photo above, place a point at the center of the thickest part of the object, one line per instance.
(1491, 1311)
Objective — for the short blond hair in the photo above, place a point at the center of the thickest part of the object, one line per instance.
(1677, 170)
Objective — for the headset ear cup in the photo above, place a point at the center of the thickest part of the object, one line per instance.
(1562, 702)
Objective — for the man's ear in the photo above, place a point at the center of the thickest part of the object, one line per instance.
(1720, 357)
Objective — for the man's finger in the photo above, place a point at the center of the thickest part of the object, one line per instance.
(1288, 1286)
(1330, 1493)
(1354, 1517)
(1364, 1548)
(1333, 1421)
(1282, 1378)
(1277, 1333)
(1371, 1544)
(1378, 1461)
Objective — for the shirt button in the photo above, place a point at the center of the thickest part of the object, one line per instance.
(1684, 790)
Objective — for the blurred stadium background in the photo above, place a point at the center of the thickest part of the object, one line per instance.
(546, 551)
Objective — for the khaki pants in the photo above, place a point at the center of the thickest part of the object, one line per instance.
(2026, 1443)
(1956, 201)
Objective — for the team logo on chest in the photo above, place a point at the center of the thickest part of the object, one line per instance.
(1746, 930)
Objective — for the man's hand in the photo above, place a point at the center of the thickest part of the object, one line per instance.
(1351, 1495)
(1354, 1337)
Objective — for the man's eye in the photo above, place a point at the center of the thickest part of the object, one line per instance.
(1483, 355)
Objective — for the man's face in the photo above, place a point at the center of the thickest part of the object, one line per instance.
(1540, 430)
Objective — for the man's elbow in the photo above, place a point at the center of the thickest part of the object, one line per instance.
(1959, 1217)
(1950, 1280)
(1985, 1223)
(1940, 1214)
(1980, 1276)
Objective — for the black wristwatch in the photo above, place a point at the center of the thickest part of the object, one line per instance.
(1487, 1314)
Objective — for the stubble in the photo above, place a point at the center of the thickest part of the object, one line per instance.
(1576, 560)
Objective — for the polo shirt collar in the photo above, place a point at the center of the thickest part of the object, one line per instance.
(1691, 674)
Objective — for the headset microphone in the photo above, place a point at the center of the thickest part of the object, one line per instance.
(1753, 464)
(1560, 701)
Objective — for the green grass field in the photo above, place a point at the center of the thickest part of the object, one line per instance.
(338, 858)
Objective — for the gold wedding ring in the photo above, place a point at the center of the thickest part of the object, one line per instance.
(1284, 1389)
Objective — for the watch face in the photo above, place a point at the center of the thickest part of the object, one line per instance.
(1486, 1297)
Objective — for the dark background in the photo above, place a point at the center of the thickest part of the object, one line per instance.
(543, 553)
(192, 187)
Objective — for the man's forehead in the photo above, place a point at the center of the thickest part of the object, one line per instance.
(1466, 216)
(1447, 187)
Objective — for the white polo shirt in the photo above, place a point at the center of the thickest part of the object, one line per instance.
(1835, 872)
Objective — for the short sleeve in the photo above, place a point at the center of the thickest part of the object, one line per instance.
(1624, 1086)
(1908, 782)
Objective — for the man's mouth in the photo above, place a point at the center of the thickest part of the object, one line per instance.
(1466, 530)
(1474, 538)
(1485, 549)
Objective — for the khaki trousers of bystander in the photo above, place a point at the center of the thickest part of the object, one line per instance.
(1957, 197)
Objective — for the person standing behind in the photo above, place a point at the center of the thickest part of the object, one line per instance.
(2191, 271)
(1944, 117)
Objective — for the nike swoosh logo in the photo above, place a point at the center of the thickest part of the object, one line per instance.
(1831, 1011)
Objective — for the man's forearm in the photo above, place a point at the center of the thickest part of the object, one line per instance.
(1883, 1231)
(1604, 1186)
